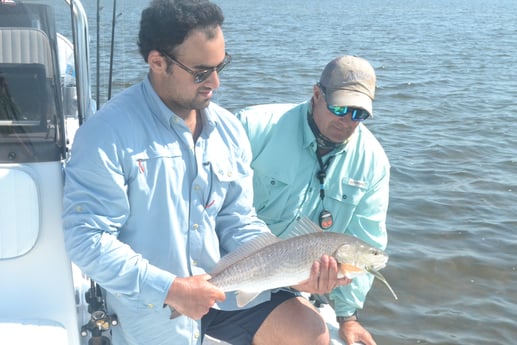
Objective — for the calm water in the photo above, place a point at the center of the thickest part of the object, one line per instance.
(446, 114)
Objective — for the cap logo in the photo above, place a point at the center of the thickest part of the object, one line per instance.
(356, 75)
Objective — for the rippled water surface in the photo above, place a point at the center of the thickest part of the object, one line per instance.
(446, 114)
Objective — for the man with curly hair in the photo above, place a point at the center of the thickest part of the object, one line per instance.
(159, 187)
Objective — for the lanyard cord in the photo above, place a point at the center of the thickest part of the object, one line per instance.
(325, 218)
(322, 173)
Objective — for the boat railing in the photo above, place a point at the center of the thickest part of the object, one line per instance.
(80, 34)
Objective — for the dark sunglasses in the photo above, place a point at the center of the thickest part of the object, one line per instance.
(358, 114)
(201, 76)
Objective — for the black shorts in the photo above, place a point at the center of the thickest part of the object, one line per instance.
(238, 327)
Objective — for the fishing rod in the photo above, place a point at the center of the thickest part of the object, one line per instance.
(80, 114)
(112, 48)
(97, 67)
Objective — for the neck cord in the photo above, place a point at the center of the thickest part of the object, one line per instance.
(325, 217)
(322, 173)
(324, 144)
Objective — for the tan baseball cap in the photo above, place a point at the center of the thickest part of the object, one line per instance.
(349, 81)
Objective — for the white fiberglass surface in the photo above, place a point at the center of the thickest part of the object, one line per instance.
(19, 213)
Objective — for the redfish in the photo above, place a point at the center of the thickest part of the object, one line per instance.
(268, 262)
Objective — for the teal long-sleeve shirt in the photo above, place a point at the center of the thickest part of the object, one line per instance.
(286, 186)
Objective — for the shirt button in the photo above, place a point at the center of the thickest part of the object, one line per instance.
(196, 334)
(229, 174)
(150, 306)
(194, 263)
(196, 187)
(195, 226)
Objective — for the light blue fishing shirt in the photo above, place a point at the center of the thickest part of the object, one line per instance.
(144, 203)
(286, 186)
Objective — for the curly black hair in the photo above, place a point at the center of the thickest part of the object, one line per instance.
(166, 23)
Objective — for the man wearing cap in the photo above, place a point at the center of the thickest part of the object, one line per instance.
(317, 159)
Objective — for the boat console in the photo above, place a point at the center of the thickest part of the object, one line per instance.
(42, 297)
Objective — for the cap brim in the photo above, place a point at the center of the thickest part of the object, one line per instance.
(350, 99)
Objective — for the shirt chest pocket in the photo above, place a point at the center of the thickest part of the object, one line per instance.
(226, 162)
(347, 192)
(156, 164)
(222, 173)
(273, 199)
(227, 170)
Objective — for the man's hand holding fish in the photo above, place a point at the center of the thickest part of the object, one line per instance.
(193, 296)
(324, 277)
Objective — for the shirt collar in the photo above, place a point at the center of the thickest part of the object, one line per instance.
(309, 140)
(158, 108)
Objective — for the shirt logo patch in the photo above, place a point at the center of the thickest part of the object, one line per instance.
(357, 183)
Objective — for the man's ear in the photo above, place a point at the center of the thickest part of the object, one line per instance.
(157, 62)
(316, 91)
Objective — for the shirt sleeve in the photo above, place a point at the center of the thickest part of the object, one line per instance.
(95, 208)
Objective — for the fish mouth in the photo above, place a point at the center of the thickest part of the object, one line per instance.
(379, 276)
